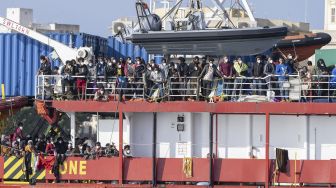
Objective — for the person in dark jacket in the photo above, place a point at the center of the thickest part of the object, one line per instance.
(110, 75)
(82, 72)
(208, 74)
(290, 63)
(41, 144)
(258, 74)
(139, 72)
(321, 70)
(67, 72)
(92, 77)
(45, 68)
(60, 151)
(269, 70)
(174, 76)
(194, 70)
(100, 68)
(183, 71)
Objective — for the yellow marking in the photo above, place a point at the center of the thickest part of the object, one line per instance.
(3, 92)
(18, 175)
(18, 164)
(73, 167)
(82, 167)
(16, 183)
(63, 169)
(9, 161)
(42, 175)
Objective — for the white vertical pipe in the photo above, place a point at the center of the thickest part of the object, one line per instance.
(73, 127)
(307, 144)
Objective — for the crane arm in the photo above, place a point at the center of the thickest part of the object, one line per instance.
(64, 52)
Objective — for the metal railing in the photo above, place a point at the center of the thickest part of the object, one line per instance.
(315, 88)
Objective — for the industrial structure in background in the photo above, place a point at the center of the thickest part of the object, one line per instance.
(330, 22)
(328, 52)
(236, 12)
(25, 17)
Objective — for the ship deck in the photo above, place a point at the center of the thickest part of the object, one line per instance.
(188, 106)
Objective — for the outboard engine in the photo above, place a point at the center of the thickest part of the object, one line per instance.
(196, 21)
(147, 20)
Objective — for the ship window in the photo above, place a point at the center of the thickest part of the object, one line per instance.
(333, 15)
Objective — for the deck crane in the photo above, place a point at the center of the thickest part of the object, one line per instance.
(61, 51)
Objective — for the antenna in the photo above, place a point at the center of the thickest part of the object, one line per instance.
(306, 10)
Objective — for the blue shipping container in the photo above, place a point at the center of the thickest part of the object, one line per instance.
(119, 49)
(19, 58)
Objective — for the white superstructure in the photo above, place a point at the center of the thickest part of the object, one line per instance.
(25, 17)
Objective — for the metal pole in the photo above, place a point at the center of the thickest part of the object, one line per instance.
(154, 150)
(216, 135)
(120, 147)
(211, 183)
(267, 150)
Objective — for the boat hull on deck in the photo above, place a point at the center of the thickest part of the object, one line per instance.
(304, 46)
(210, 42)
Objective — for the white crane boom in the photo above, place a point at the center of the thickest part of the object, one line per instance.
(63, 51)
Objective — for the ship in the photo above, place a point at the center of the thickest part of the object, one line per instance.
(255, 141)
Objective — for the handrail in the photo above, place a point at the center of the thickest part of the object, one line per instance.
(268, 88)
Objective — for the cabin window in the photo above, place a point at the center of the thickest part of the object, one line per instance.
(333, 15)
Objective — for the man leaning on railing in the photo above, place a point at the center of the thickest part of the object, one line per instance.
(208, 74)
(240, 69)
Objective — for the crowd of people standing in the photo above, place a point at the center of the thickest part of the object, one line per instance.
(129, 78)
